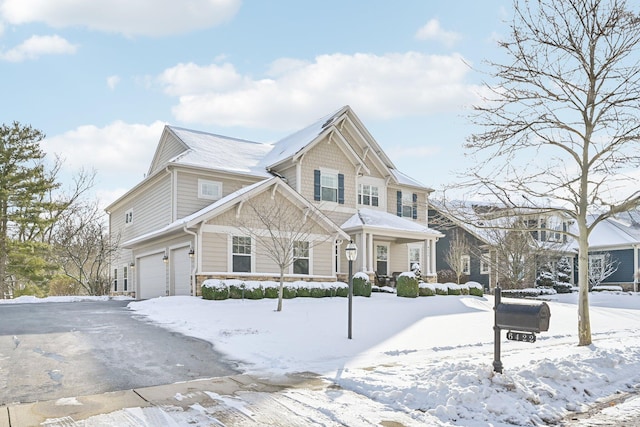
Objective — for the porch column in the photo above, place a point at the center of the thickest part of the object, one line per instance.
(370, 252)
(363, 244)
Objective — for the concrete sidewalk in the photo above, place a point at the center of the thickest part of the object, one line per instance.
(180, 396)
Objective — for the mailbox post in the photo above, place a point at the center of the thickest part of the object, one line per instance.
(522, 321)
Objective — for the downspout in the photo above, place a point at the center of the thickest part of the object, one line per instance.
(195, 260)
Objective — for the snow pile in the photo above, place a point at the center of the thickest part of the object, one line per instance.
(29, 299)
(430, 358)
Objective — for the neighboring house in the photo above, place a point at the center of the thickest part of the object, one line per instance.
(488, 231)
(178, 226)
(617, 240)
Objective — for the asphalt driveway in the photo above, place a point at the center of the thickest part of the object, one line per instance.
(54, 350)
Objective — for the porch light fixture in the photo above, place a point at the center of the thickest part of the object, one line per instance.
(132, 265)
(165, 258)
(351, 252)
(191, 252)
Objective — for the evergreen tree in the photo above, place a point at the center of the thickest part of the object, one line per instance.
(25, 189)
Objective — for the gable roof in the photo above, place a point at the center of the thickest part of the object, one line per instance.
(218, 152)
(373, 218)
(227, 202)
(618, 231)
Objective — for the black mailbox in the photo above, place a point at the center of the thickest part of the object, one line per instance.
(523, 317)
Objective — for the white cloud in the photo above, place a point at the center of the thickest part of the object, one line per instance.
(120, 153)
(36, 46)
(433, 31)
(297, 92)
(112, 81)
(140, 17)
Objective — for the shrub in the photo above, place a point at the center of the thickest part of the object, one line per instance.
(318, 293)
(214, 290)
(408, 285)
(475, 289)
(426, 290)
(237, 291)
(342, 290)
(303, 290)
(563, 287)
(289, 291)
(361, 287)
(441, 289)
(271, 291)
(445, 276)
(453, 289)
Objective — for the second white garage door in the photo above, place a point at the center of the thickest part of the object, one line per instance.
(180, 271)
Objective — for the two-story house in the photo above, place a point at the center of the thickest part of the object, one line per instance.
(178, 226)
(496, 244)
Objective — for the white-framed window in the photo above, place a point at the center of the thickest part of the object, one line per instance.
(301, 257)
(368, 195)
(328, 186)
(382, 260)
(125, 278)
(115, 280)
(211, 190)
(465, 263)
(128, 217)
(415, 256)
(484, 264)
(596, 265)
(407, 205)
(241, 254)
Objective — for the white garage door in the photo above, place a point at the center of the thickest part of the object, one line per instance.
(152, 277)
(180, 271)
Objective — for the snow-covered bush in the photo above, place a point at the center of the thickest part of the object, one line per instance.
(445, 276)
(408, 285)
(453, 288)
(426, 289)
(475, 289)
(441, 289)
(303, 289)
(611, 288)
(527, 292)
(213, 289)
(361, 285)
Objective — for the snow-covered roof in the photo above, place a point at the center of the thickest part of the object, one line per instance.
(290, 145)
(221, 152)
(615, 232)
(373, 218)
(406, 180)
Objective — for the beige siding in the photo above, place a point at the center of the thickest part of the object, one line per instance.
(392, 200)
(169, 148)
(187, 190)
(151, 209)
(289, 174)
(323, 259)
(215, 250)
(399, 258)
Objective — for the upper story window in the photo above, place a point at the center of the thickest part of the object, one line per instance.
(407, 205)
(211, 190)
(328, 186)
(128, 217)
(548, 229)
(368, 195)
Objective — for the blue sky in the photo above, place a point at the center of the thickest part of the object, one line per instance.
(102, 77)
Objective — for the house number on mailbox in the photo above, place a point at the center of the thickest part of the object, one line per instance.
(521, 336)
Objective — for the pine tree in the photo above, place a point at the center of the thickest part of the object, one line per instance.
(25, 188)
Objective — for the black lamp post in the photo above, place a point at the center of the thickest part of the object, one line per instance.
(351, 252)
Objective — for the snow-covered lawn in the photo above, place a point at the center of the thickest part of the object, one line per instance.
(429, 357)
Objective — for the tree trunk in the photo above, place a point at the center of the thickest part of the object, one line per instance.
(280, 290)
(584, 324)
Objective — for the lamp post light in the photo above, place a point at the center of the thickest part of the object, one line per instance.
(351, 252)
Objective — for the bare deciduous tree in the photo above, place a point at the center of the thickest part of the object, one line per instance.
(458, 248)
(562, 120)
(601, 268)
(283, 231)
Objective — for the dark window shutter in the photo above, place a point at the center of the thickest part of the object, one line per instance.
(414, 214)
(341, 189)
(399, 204)
(316, 185)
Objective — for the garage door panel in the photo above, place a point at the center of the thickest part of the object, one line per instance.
(181, 272)
(152, 277)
